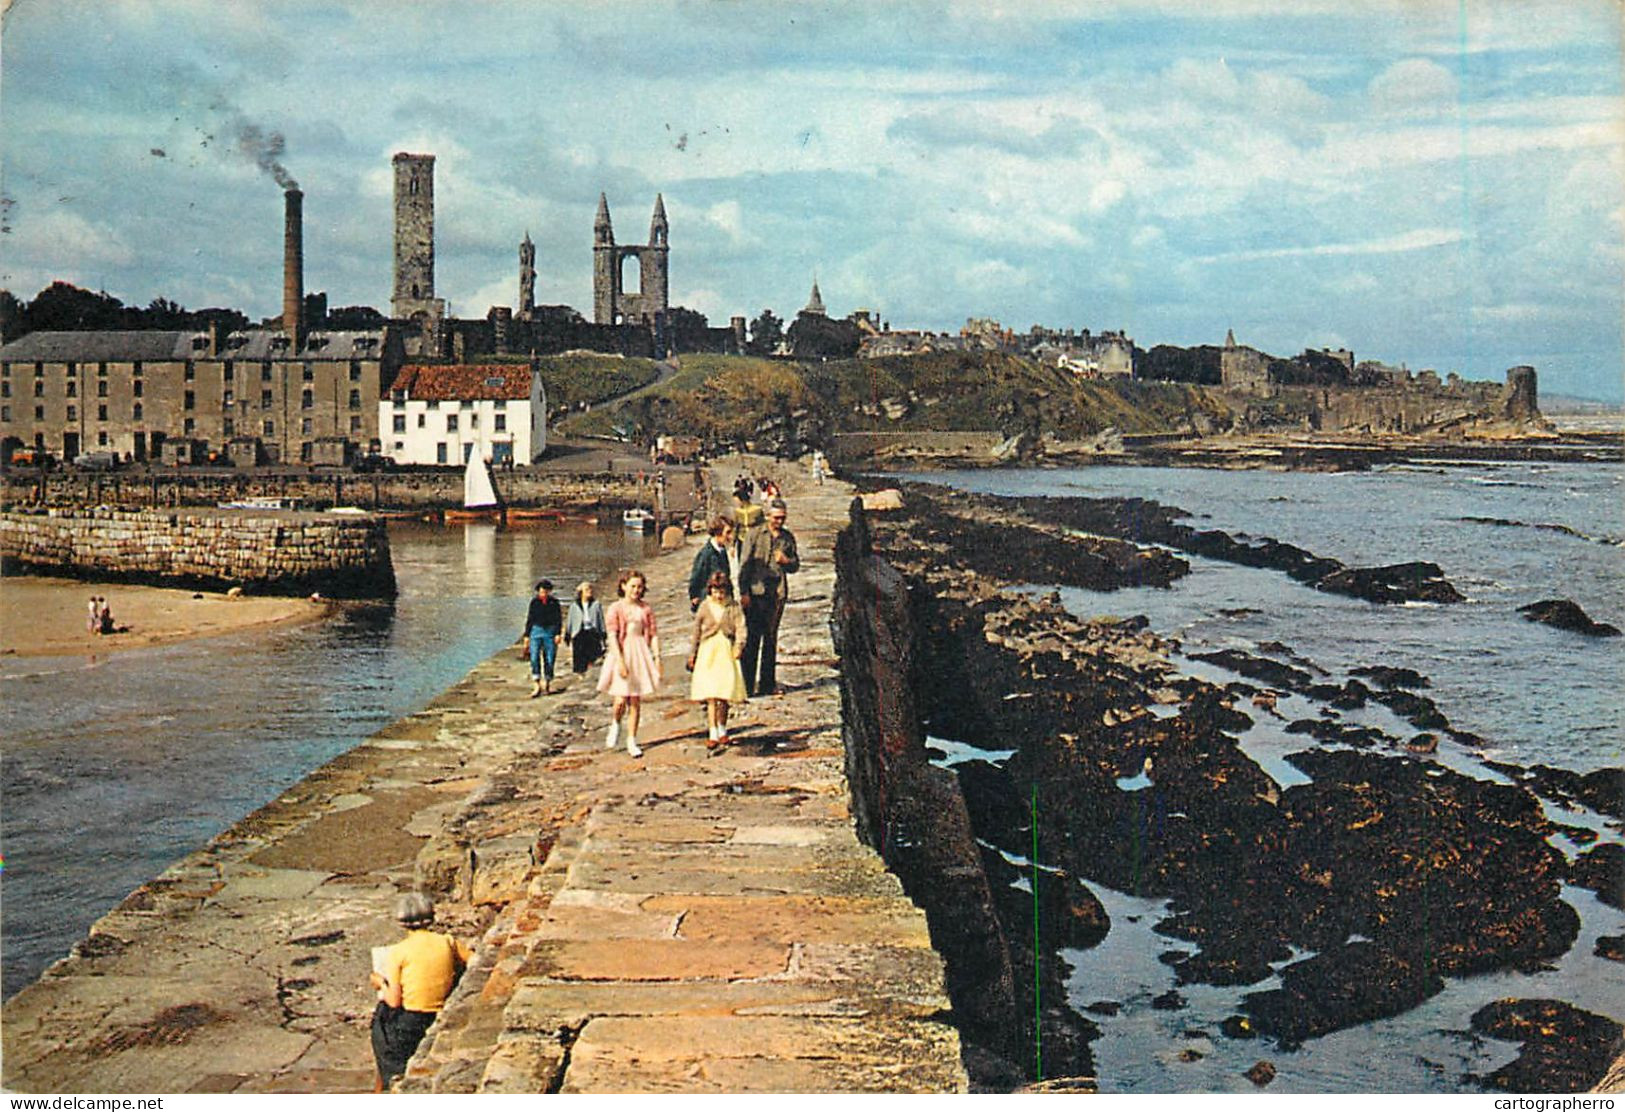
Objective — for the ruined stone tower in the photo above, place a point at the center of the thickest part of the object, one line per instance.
(612, 302)
(527, 278)
(414, 238)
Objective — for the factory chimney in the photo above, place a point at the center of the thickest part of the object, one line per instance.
(293, 271)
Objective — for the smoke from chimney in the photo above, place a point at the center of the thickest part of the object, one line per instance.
(293, 269)
(266, 149)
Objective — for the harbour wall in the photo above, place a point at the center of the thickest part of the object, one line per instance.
(263, 552)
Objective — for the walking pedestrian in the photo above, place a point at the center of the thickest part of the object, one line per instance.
(93, 621)
(413, 979)
(768, 557)
(719, 640)
(543, 620)
(712, 557)
(584, 629)
(632, 664)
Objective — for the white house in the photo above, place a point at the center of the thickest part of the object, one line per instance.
(441, 413)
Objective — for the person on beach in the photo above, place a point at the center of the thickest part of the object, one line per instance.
(769, 557)
(584, 629)
(719, 641)
(711, 558)
(93, 623)
(104, 618)
(542, 624)
(413, 980)
(632, 666)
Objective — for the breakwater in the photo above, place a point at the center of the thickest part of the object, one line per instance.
(263, 552)
(685, 922)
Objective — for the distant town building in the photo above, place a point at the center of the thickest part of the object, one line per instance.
(1243, 369)
(443, 413)
(1085, 354)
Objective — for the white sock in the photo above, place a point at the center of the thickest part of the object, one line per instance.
(715, 732)
(612, 738)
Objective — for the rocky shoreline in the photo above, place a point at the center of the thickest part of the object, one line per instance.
(1364, 889)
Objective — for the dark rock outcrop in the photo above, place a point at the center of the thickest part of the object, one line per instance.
(1565, 1049)
(1566, 614)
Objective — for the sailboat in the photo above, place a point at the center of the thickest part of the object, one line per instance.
(480, 501)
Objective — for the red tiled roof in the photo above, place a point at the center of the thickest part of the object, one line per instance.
(463, 381)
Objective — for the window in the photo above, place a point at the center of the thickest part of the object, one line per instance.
(355, 371)
(136, 412)
(400, 423)
(465, 404)
(189, 400)
(189, 426)
(5, 388)
(135, 368)
(73, 413)
(306, 426)
(355, 399)
(191, 371)
(500, 403)
(136, 386)
(101, 439)
(39, 370)
(307, 399)
(265, 399)
(73, 388)
(451, 422)
(5, 370)
(229, 427)
(230, 373)
(39, 387)
(39, 413)
(101, 388)
(304, 451)
(434, 403)
(72, 369)
(400, 445)
(399, 401)
(226, 398)
(355, 424)
(265, 371)
(101, 413)
(500, 423)
(473, 420)
(423, 421)
(269, 428)
(308, 374)
(5, 413)
(440, 452)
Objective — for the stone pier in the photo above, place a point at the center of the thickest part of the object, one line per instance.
(680, 923)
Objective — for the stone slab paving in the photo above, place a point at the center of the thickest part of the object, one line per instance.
(680, 923)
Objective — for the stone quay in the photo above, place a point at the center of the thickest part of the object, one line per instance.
(679, 923)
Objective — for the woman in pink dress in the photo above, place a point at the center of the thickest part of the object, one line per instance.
(632, 666)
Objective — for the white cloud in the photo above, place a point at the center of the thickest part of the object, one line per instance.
(1419, 240)
(1415, 85)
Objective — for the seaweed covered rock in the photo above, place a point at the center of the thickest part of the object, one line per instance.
(1565, 1049)
(1566, 614)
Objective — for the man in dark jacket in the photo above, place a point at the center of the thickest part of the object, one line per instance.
(712, 556)
(769, 557)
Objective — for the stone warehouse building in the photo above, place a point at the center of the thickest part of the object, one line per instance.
(169, 396)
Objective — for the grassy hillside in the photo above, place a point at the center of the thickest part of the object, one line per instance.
(572, 379)
(729, 399)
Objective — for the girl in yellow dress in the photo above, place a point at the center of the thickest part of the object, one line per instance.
(719, 638)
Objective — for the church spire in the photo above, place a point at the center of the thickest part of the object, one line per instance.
(657, 224)
(815, 303)
(601, 230)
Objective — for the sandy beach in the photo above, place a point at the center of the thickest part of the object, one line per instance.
(46, 617)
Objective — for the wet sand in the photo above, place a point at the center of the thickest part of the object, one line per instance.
(41, 616)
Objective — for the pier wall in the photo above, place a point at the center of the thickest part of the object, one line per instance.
(404, 490)
(912, 812)
(264, 552)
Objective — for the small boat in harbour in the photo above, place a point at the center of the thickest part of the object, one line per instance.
(639, 520)
(480, 501)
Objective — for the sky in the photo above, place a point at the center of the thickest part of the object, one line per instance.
(1429, 183)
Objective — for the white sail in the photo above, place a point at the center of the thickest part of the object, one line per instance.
(478, 490)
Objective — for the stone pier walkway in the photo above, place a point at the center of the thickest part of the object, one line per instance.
(679, 923)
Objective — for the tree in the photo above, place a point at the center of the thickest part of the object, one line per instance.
(356, 318)
(766, 332)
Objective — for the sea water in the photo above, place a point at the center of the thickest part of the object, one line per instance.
(116, 765)
(1536, 694)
